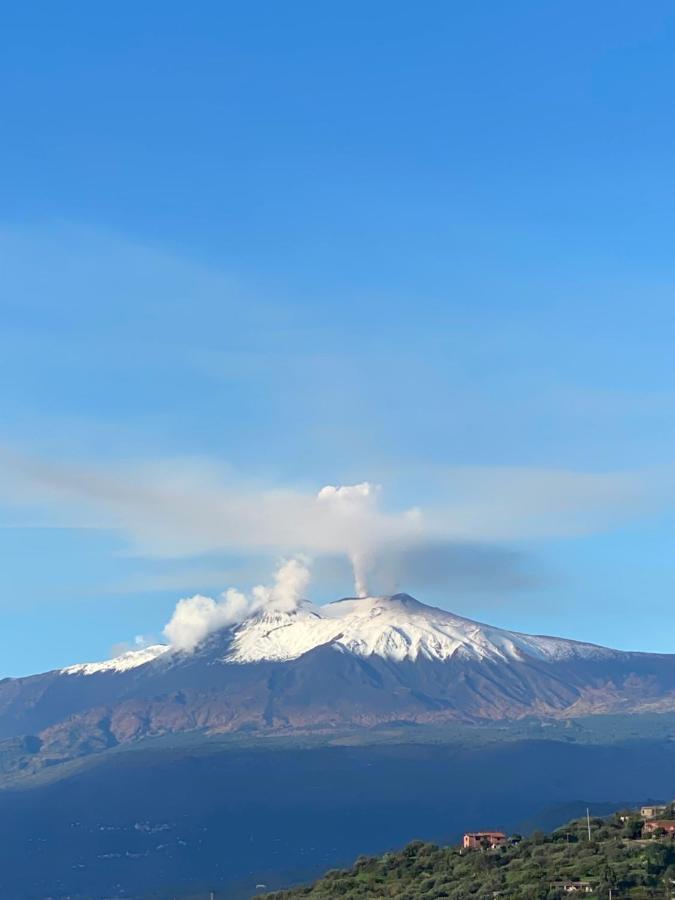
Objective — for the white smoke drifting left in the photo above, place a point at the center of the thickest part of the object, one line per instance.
(196, 617)
(176, 512)
(455, 537)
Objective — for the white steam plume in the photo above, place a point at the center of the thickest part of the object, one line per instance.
(290, 584)
(180, 510)
(194, 618)
(355, 505)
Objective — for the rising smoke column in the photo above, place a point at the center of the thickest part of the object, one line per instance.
(353, 506)
(194, 618)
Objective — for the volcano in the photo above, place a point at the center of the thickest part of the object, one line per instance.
(357, 662)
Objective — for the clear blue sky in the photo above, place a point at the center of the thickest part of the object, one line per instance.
(326, 243)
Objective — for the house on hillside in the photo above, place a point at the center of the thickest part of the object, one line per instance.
(573, 887)
(478, 840)
(651, 812)
(667, 825)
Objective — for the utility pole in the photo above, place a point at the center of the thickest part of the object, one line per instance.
(588, 822)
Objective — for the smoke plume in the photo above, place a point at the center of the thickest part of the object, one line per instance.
(354, 506)
(461, 535)
(194, 618)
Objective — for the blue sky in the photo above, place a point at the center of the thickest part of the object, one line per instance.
(290, 245)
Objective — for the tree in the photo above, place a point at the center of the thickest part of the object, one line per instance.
(609, 880)
(632, 828)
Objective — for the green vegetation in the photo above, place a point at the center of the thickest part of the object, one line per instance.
(615, 859)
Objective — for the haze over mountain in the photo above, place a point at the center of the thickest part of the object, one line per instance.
(356, 662)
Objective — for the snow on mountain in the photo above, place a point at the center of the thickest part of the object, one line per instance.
(130, 660)
(375, 660)
(395, 628)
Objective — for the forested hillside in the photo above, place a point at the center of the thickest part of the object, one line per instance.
(616, 859)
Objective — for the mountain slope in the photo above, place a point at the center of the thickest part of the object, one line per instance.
(182, 816)
(361, 662)
(397, 628)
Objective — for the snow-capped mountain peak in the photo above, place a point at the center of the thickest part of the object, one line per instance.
(424, 665)
(397, 628)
